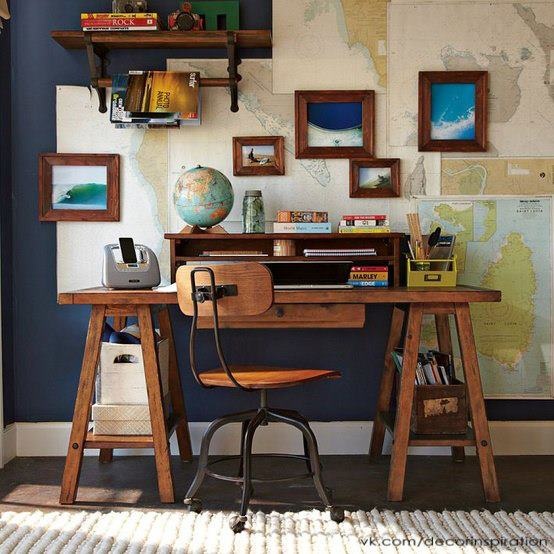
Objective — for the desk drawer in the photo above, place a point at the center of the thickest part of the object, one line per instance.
(290, 316)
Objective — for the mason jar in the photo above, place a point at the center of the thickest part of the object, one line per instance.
(253, 218)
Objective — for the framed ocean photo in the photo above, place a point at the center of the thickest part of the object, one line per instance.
(453, 111)
(377, 178)
(79, 187)
(334, 124)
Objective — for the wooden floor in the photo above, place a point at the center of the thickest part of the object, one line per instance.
(433, 482)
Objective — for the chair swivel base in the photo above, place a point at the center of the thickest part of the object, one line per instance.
(251, 420)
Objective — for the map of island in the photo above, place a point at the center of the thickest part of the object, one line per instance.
(504, 244)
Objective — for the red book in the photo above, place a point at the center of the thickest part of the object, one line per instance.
(363, 217)
(123, 22)
(374, 268)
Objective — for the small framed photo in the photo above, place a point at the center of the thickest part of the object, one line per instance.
(258, 156)
(334, 123)
(79, 187)
(379, 178)
(453, 111)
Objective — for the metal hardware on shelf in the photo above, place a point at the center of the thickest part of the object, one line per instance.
(232, 68)
(97, 70)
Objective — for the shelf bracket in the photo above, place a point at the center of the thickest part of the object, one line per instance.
(232, 69)
(97, 70)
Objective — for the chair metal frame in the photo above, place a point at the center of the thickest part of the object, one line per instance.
(250, 421)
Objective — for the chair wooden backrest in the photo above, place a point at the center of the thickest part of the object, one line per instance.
(254, 289)
(243, 289)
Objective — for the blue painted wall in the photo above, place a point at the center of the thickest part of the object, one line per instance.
(49, 339)
(6, 225)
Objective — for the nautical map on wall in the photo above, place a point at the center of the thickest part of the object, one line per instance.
(512, 41)
(308, 184)
(505, 244)
(329, 44)
(497, 176)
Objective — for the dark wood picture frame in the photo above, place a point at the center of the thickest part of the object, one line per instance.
(304, 97)
(480, 80)
(358, 192)
(45, 208)
(278, 143)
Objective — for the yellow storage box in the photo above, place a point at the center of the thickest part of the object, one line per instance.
(432, 273)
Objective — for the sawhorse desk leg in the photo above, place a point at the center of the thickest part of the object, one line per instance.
(81, 414)
(401, 440)
(479, 420)
(176, 389)
(401, 425)
(159, 440)
(387, 383)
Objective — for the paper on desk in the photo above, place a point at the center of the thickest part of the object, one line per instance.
(167, 288)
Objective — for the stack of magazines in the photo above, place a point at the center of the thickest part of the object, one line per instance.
(155, 99)
(316, 252)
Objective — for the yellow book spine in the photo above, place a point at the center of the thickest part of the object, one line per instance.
(363, 276)
(363, 230)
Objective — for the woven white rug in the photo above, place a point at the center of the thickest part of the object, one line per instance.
(303, 532)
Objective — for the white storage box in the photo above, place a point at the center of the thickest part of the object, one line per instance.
(124, 382)
(121, 420)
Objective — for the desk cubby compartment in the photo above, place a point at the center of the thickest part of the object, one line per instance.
(432, 273)
(120, 376)
(440, 409)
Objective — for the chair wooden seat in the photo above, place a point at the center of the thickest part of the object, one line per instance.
(265, 377)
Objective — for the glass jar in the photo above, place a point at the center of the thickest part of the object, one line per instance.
(253, 217)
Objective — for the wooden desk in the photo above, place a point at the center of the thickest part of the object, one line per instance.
(410, 304)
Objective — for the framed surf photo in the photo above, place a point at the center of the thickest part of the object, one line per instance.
(378, 178)
(258, 156)
(79, 187)
(334, 123)
(452, 113)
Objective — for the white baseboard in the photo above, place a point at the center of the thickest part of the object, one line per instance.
(9, 443)
(337, 437)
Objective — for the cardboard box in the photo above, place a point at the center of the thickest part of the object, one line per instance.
(121, 420)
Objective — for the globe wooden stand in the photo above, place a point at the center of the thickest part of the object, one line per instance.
(195, 230)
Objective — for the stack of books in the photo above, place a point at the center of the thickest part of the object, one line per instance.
(155, 99)
(369, 276)
(433, 368)
(364, 224)
(120, 22)
(302, 222)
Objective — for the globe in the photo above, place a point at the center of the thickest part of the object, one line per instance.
(203, 196)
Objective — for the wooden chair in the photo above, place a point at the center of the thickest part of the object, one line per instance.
(244, 289)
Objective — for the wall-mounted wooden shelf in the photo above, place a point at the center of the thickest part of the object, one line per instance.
(99, 44)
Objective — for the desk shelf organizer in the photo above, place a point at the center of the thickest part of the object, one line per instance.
(99, 44)
(189, 247)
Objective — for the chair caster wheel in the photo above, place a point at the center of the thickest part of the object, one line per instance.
(194, 505)
(337, 514)
(237, 523)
